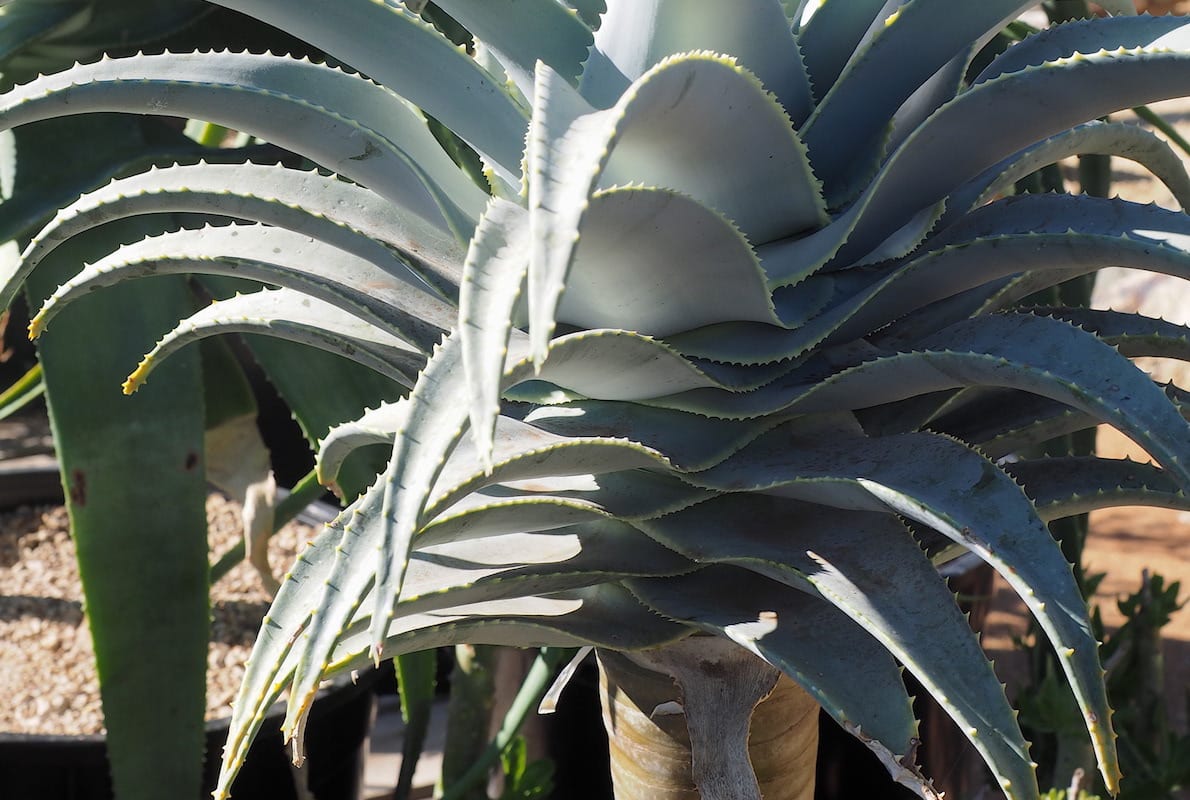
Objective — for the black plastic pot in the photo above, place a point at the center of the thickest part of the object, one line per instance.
(75, 767)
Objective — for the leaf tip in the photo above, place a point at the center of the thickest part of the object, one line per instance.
(137, 378)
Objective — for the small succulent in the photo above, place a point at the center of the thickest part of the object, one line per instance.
(710, 320)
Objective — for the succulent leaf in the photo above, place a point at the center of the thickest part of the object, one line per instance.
(493, 279)
(997, 119)
(1065, 486)
(297, 317)
(832, 35)
(636, 34)
(1116, 139)
(752, 256)
(423, 443)
(1090, 36)
(588, 149)
(844, 133)
(396, 48)
(605, 615)
(1029, 421)
(868, 566)
(876, 474)
(344, 214)
(390, 296)
(631, 238)
(283, 100)
(520, 34)
(524, 453)
(629, 495)
(792, 630)
(375, 426)
(664, 430)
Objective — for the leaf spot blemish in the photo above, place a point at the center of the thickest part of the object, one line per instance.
(370, 151)
(78, 487)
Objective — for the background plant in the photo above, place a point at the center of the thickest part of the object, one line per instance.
(770, 430)
(1153, 755)
(145, 574)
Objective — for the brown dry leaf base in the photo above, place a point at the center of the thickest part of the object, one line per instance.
(47, 671)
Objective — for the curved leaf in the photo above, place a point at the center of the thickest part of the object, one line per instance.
(522, 32)
(523, 452)
(1090, 36)
(832, 35)
(602, 616)
(270, 664)
(372, 137)
(385, 40)
(843, 134)
(390, 296)
(375, 426)
(1065, 486)
(1052, 237)
(690, 441)
(321, 206)
(1034, 354)
(294, 316)
(672, 130)
(1032, 420)
(798, 633)
(1134, 335)
(493, 277)
(1116, 139)
(756, 176)
(995, 119)
(537, 503)
(623, 275)
(635, 35)
(972, 502)
(868, 566)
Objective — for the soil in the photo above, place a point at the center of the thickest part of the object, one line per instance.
(1156, 7)
(47, 673)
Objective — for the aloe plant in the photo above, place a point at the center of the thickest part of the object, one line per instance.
(704, 319)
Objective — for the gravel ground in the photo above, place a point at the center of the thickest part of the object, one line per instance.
(47, 673)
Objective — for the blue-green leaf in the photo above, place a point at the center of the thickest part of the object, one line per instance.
(387, 293)
(297, 317)
(636, 35)
(372, 137)
(844, 133)
(331, 210)
(868, 566)
(383, 39)
(522, 32)
(1069, 485)
(971, 502)
(798, 633)
(1090, 36)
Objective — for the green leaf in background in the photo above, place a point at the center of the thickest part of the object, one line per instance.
(142, 545)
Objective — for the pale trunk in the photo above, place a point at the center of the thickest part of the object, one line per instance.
(704, 719)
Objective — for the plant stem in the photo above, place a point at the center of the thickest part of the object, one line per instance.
(704, 719)
(468, 715)
(28, 388)
(305, 492)
(536, 683)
